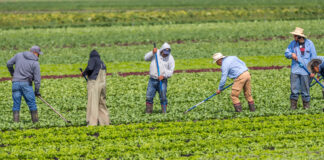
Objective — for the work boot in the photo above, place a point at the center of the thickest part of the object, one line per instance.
(293, 104)
(238, 107)
(149, 108)
(34, 116)
(306, 105)
(16, 116)
(164, 108)
(251, 106)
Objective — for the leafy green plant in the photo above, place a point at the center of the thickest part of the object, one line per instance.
(163, 16)
(215, 32)
(126, 99)
(287, 137)
(142, 66)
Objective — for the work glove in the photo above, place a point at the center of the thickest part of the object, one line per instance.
(37, 93)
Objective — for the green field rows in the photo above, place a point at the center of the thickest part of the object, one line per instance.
(153, 17)
(126, 99)
(220, 32)
(67, 49)
(274, 137)
(76, 13)
(66, 5)
(142, 66)
(122, 31)
(185, 51)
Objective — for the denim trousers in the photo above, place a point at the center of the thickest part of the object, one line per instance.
(153, 87)
(24, 89)
(299, 84)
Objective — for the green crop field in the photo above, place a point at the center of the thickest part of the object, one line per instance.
(123, 31)
(126, 99)
(81, 13)
(274, 137)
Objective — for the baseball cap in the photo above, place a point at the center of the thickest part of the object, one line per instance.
(36, 49)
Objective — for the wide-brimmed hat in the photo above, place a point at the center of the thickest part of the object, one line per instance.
(217, 56)
(299, 32)
(311, 63)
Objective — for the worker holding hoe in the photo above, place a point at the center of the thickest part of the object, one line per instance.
(316, 66)
(234, 68)
(26, 71)
(161, 69)
(96, 109)
(301, 50)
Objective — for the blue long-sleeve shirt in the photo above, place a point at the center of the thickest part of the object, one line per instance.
(232, 67)
(321, 67)
(309, 54)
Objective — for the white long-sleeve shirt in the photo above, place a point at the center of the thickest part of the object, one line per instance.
(166, 65)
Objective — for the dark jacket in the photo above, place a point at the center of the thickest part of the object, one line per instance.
(322, 69)
(26, 68)
(94, 65)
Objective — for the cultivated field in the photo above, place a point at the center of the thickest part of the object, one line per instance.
(257, 31)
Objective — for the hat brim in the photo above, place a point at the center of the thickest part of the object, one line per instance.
(298, 34)
(40, 53)
(309, 65)
(215, 60)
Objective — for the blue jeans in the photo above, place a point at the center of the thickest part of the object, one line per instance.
(153, 86)
(26, 90)
(299, 84)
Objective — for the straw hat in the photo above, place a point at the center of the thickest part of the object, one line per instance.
(309, 65)
(217, 56)
(299, 32)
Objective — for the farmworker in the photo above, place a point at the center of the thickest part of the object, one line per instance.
(234, 68)
(96, 108)
(316, 65)
(166, 67)
(26, 71)
(303, 51)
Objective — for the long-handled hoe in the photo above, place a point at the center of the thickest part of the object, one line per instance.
(302, 66)
(54, 109)
(83, 75)
(206, 99)
(312, 84)
(158, 70)
(317, 81)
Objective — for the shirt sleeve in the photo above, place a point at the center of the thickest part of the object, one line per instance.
(289, 50)
(90, 67)
(313, 51)
(321, 68)
(148, 56)
(171, 65)
(10, 65)
(224, 77)
(37, 76)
